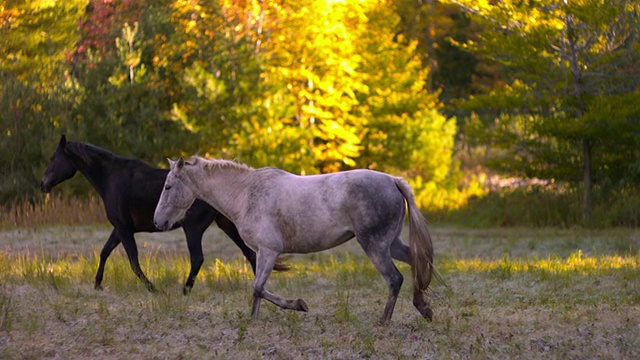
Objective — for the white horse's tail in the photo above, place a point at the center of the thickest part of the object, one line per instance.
(419, 240)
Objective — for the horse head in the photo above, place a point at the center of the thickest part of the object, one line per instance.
(176, 198)
(60, 168)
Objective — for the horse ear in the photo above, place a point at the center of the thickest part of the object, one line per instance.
(171, 163)
(180, 163)
(63, 142)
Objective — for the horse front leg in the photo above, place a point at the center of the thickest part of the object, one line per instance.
(266, 259)
(108, 247)
(381, 259)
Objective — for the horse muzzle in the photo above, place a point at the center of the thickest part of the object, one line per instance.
(45, 187)
(164, 226)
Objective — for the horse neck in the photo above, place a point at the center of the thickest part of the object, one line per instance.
(97, 171)
(224, 189)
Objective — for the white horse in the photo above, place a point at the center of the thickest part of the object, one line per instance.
(277, 212)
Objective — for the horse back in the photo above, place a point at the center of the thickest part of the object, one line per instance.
(360, 188)
(317, 212)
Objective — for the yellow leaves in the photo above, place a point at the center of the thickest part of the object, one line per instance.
(190, 25)
(336, 130)
(180, 116)
(481, 5)
(8, 17)
(42, 4)
(329, 78)
(337, 140)
(321, 69)
(510, 14)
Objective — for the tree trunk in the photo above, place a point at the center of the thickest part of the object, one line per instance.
(572, 57)
(429, 43)
(586, 192)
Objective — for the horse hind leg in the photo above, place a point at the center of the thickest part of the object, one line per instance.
(129, 243)
(266, 260)
(196, 257)
(400, 251)
(381, 259)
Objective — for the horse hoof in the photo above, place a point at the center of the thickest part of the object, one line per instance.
(301, 305)
(186, 290)
(427, 313)
(98, 287)
(423, 308)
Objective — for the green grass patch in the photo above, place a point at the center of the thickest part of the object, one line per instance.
(550, 205)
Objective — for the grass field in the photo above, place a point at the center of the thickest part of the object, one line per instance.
(513, 293)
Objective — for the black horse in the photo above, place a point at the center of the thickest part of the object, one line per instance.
(130, 190)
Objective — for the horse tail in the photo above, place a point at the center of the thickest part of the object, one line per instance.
(419, 240)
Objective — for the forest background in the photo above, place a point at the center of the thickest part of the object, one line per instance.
(497, 112)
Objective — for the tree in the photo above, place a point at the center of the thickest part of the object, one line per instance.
(125, 93)
(34, 90)
(216, 55)
(322, 86)
(317, 62)
(405, 133)
(308, 86)
(562, 63)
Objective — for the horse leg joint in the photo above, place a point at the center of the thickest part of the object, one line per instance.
(255, 309)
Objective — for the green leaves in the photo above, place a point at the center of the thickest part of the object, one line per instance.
(566, 67)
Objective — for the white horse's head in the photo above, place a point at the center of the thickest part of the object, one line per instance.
(176, 198)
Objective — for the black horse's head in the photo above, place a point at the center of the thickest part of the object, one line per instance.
(60, 167)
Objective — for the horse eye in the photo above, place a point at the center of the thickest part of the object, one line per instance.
(167, 187)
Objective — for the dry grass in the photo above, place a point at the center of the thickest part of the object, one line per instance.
(54, 210)
(513, 294)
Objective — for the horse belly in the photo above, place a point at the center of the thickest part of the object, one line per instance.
(319, 241)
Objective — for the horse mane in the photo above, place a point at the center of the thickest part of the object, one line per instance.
(83, 151)
(212, 164)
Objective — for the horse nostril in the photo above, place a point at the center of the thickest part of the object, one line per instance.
(163, 226)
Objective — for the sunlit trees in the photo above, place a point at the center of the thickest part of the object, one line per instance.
(323, 86)
(216, 57)
(322, 69)
(308, 86)
(278, 85)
